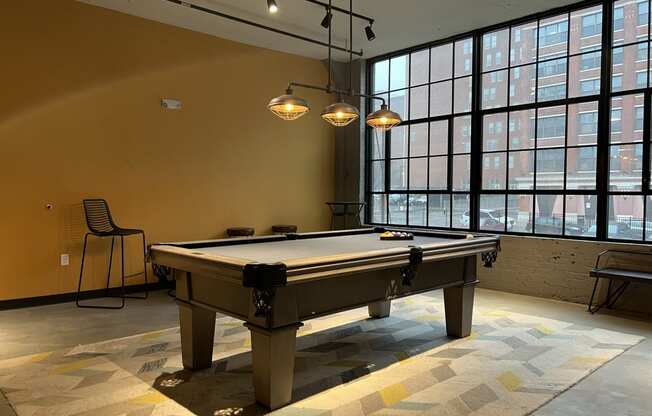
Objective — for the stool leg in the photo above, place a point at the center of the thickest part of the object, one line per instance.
(145, 266)
(108, 274)
(122, 269)
(81, 271)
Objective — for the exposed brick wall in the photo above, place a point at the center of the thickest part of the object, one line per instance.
(559, 269)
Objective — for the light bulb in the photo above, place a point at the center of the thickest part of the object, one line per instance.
(289, 107)
(273, 8)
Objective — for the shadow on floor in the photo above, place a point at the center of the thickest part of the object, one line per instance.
(324, 360)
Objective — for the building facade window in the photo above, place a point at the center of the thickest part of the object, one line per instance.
(521, 134)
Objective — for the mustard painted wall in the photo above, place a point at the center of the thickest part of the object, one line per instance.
(80, 117)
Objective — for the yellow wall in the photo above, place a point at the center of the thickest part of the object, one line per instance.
(80, 117)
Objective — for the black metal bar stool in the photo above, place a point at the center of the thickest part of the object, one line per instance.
(100, 224)
(345, 209)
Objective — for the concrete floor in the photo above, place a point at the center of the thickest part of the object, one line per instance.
(621, 387)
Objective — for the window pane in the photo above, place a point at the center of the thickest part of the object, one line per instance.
(419, 102)
(461, 173)
(583, 124)
(581, 167)
(417, 210)
(398, 102)
(462, 134)
(439, 137)
(648, 219)
(580, 217)
(419, 173)
(397, 209)
(522, 84)
(521, 170)
(492, 212)
(378, 176)
(462, 102)
(381, 76)
(494, 89)
(398, 174)
(589, 35)
(398, 142)
(551, 80)
(583, 82)
(461, 211)
(521, 129)
(627, 119)
(549, 211)
(441, 98)
(419, 139)
(438, 173)
(630, 64)
(439, 210)
(551, 126)
(553, 36)
(377, 144)
(495, 48)
(493, 170)
(630, 21)
(494, 132)
(519, 213)
(464, 57)
(398, 72)
(550, 169)
(441, 62)
(625, 167)
(625, 217)
(379, 209)
(524, 44)
(419, 69)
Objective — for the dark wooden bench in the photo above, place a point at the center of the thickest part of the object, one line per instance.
(614, 273)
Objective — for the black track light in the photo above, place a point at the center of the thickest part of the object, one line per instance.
(271, 6)
(370, 33)
(326, 21)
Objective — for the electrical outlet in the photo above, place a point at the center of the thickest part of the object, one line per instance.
(65, 259)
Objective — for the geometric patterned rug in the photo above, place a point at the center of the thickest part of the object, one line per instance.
(346, 364)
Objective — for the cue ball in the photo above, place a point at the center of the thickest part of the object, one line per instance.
(469, 236)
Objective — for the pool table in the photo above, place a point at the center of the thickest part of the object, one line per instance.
(274, 283)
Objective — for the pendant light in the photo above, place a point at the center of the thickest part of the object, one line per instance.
(383, 119)
(288, 106)
(340, 114)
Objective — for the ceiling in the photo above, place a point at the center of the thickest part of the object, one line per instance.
(398, 23)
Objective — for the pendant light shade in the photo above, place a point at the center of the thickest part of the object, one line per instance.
(288, 106)
(383, 119)
(340, 113)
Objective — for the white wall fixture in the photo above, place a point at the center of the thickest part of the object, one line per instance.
(170, 104)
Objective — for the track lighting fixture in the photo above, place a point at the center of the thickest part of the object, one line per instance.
(326, 21)
(271, 6)
(370, 33)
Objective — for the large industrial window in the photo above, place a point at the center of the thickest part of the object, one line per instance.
(420, 171)
(521, 133)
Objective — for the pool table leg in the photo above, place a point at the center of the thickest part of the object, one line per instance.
(380, 309)
(273, 363)
(458, 302)
(197, 333)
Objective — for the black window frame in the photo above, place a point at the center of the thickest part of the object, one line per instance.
(610, 22)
